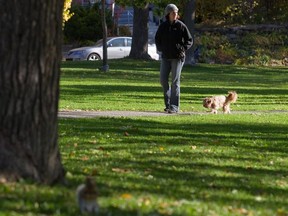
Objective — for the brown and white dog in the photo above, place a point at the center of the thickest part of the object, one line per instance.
(220, 101)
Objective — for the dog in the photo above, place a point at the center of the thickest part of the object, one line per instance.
(220, 101)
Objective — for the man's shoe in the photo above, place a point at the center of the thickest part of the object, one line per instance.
(172, 111)
(166, 109)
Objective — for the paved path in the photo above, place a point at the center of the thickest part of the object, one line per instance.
(93, 114)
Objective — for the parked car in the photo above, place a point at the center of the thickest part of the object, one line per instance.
(117, 47)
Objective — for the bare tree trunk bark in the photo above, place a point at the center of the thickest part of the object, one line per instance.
(105, 66)
(139, 48)
(189, 18)
(30, 53)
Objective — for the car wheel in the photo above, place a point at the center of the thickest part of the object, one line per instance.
(93, 57)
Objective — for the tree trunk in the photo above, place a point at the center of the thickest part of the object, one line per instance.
(30, 53)
(189, 19)
(139, 47)
(105, 66)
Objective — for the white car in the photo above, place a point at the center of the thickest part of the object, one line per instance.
(117, 47)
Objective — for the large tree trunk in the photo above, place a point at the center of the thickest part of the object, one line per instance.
(30, 53)
(189, 18)
(139, 48)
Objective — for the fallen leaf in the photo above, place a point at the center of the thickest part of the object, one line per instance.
(94, 172)
(281, 212)
(69, 174)
(72, 154)
(86, 171)
(85, 158)
(3, 180)
(119, 170)
(258, 198)
(146, 201)
(242, 211)
(126, 196)
(150, 177)
(93, 141)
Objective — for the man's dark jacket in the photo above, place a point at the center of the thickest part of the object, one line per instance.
(173, 39)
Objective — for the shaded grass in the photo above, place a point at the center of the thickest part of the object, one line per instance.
(198, 165)
(186, 166)
(174, 165)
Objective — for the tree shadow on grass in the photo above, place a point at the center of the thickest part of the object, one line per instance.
(167, 160)
(225, 163)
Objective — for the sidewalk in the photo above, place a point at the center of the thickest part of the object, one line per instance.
(93, 114)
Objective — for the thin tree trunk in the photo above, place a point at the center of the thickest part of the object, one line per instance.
(105, 66)
(30, 53)
(139, 48)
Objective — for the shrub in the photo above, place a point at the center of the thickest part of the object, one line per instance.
(124, 31)
(242, 47)
(225, 55)
(85, 24)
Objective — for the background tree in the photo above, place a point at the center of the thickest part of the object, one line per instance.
(139, 47)
(30, 52)
(85, 26)
(238, 12)
(105, 66)
(189, 19)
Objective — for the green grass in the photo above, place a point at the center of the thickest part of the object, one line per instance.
(198, 165)
(134, 85)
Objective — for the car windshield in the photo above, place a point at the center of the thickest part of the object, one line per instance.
(99, 43)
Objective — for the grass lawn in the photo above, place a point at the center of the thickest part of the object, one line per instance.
(133, 85)
(198, 165)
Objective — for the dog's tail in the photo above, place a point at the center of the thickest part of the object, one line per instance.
(232, 97)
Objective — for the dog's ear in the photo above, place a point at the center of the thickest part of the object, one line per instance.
(205, 102)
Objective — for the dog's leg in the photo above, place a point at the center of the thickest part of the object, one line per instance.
(226, 108)
(214, 111)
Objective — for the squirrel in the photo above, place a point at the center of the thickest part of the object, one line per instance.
(86, 195)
